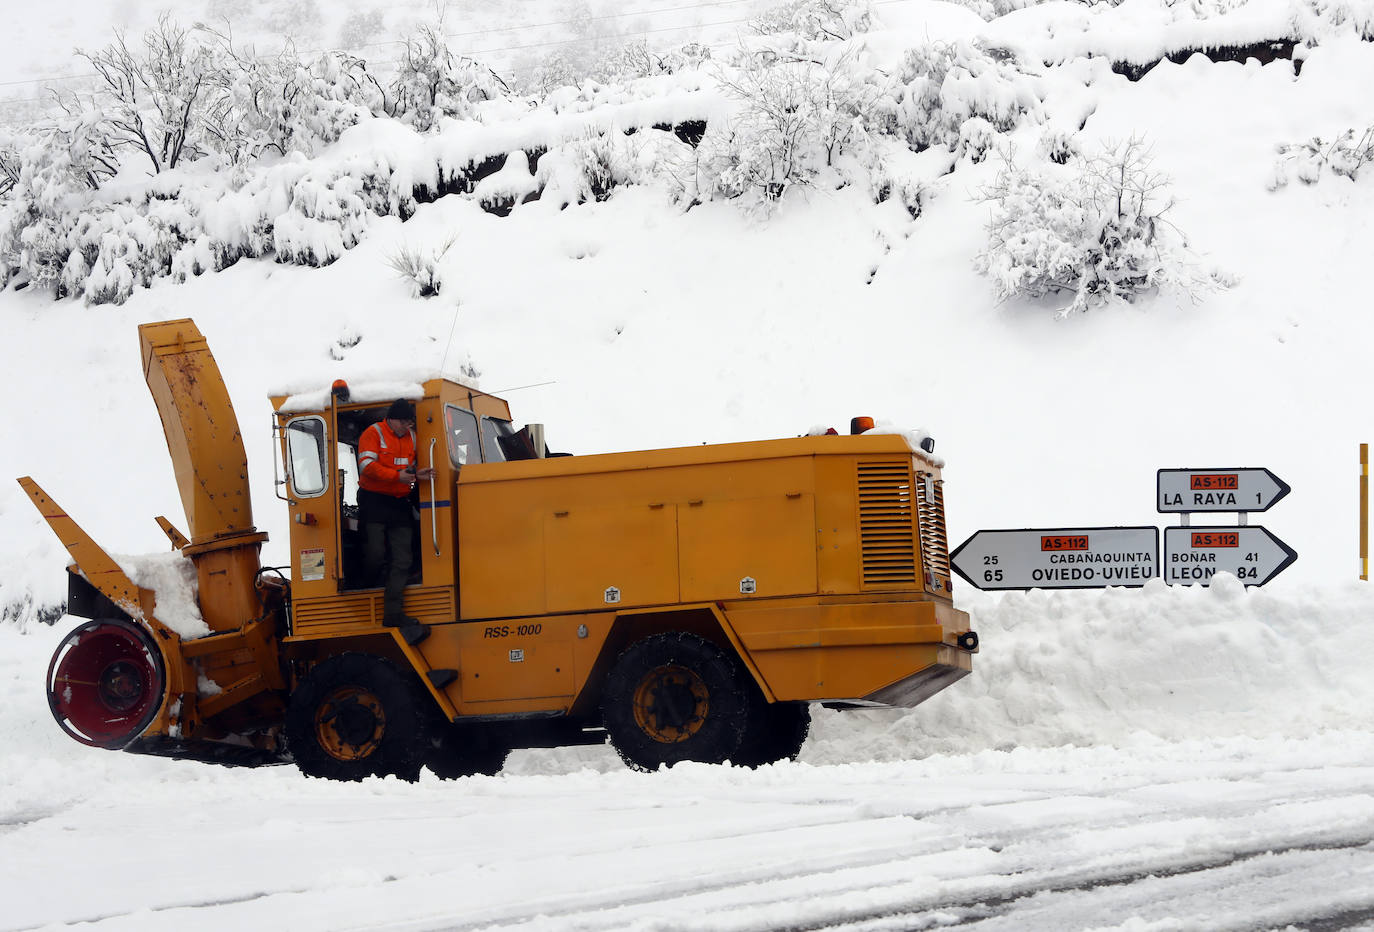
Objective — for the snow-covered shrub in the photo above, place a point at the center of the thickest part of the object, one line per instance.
(944, 85)
(686, 57)
(1096, 231)
(10, 162)
(555, 70)
(991, 9)
(626, 62)
(1057, 146)
(279, 103)
(1345, 155)
(795, 118)
(121, 247)
(607, 161)
(327, 216)
(420, 267)
(432, 82)
(1342, 16)
(154, 102)
(816, 19)
(50, 174)
(911, 193)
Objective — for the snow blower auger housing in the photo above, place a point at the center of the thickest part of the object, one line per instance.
(687, 603)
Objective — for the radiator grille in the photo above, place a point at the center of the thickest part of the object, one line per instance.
(886, 515)
(365, 609)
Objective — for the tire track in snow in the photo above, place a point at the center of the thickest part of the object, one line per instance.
(1228, 825)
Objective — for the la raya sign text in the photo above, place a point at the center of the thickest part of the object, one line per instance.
(1239, 490)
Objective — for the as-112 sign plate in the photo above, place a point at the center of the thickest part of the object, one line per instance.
(1183, 490)
(1193, 555)
(1059, 558)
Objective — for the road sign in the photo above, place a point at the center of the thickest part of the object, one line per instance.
(1059, 558)
(1193, 555)
(1218, 489)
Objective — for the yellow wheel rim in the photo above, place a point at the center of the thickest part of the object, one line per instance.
(350, 723)
(671, 703)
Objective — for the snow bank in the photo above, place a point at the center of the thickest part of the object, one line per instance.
(1120, 666)
(1137, 32)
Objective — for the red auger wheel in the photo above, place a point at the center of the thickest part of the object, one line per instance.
(106, 682)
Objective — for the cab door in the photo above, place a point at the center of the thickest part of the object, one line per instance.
(311, 465)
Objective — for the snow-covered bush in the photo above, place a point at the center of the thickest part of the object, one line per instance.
(944, 85)
(50, 174)
(795, 118)
(626, 62)
(1342, 16)
(154, 102)
(991, 9)
(433, 82)
(120, 247)
(420, 267)
(686, 57)
(327, 216)
(10, 162)
(1095, 230)
(1345, 155)
(279, 103)
(816, 19)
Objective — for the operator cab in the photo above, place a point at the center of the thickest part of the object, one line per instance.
(455, 426)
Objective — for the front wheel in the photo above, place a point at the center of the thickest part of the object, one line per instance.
(675, 697)
(356, 716)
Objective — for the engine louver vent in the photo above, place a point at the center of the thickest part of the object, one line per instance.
(930, 504)
(887, 511)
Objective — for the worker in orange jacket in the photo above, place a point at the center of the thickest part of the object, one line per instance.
(387, 473)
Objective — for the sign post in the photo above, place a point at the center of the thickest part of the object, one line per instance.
(1059, 558)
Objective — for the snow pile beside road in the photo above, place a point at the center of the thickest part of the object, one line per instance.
(1117, 667)
(1121, 666)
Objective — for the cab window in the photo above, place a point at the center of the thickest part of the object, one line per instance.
(493, 430)
(462, 436)
(307, 466)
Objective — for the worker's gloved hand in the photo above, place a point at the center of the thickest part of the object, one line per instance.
(425, 472)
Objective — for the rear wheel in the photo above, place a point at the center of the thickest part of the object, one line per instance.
(672, 698)
(456, 753)
(356, 716)
(776, 732)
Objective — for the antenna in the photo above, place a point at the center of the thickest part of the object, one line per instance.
(449, 345)
(507, 391)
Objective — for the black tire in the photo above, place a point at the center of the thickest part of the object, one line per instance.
(356, 716)
(675, 697)
(776, 732)
(454, 753)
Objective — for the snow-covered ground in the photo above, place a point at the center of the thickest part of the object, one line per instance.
(1154, 759)
(1148, 759)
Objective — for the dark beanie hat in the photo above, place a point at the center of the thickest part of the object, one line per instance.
(401, 410)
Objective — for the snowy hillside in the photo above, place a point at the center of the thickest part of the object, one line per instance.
(1154, 758)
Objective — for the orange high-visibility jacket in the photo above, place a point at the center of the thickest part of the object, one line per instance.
(381, 457)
